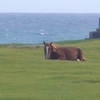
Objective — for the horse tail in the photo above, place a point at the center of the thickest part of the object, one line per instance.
(84, 59)
(80, 54)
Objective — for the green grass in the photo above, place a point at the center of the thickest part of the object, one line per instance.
(26, 75)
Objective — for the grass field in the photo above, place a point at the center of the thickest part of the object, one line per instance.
(26, 75)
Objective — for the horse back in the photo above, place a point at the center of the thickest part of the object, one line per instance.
(70, 53)
(73, 53)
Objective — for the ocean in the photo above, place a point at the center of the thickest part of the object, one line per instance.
(34, 28)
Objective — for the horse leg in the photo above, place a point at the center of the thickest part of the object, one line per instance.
(78, 59)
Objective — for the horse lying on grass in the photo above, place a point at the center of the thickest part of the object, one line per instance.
(53, 51)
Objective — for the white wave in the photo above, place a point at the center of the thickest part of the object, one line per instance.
(42, 33)
(14, 38)
(7, 34)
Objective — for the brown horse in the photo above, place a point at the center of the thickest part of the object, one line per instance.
(53, 51)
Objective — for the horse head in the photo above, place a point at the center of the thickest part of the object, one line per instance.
(49, 48)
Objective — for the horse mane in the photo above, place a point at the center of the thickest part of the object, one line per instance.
(54, 47)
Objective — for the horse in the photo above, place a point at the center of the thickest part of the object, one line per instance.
(53, 51)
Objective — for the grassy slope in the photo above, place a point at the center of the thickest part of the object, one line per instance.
(26, 75)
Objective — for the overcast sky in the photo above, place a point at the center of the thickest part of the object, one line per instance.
(50, 6)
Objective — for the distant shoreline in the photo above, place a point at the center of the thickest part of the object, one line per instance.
(69, 42)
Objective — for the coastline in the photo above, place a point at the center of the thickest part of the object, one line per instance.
(39, 45)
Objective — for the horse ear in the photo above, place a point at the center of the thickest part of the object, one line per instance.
(51, 43)
(44, 42)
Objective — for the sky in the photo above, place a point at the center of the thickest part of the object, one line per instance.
(49, 6)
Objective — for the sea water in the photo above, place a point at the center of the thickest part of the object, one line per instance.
(34, 28)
